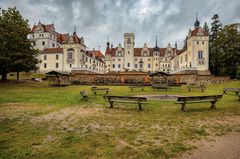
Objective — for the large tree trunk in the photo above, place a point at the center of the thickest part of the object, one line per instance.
(4, 76)
(17, 76)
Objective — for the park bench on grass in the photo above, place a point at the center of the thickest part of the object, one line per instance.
(236, 90)
(198, 99)
(84, 94)
(95, 90)
(200, 87)
(136, 87)
(126, 99)
(161, 86)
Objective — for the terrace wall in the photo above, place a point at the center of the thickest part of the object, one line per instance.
(140, 79)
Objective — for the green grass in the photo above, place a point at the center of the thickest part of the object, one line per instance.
(38, 121)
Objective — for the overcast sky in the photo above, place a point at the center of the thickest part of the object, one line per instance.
(95, 20)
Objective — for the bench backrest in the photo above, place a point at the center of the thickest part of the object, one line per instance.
(126, 98)
(83, 93)
(95, 89)
(196, 98)
(231, 89)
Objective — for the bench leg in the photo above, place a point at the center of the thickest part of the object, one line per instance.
(224, 92)
(107, 92)
(142, 89)
(140, 106)
(213, 106)
(202, 90)
(236, 93)
(183, 107)
(188, 89)
(111, 104)
(95, 92)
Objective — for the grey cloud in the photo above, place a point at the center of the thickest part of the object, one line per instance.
(97, 19)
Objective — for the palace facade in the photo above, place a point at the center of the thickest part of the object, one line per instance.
(64, 52)
(194, 56)
(68, 53)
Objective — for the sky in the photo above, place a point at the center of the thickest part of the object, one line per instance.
(96, 20)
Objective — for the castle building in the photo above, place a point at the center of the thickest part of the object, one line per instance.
(68, 53)
(193, 57)
(64, 52)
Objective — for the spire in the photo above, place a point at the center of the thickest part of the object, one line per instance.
(74, 30)
(197, 23)
(175, 45)
(39, 22)
(156, 48)
(108, 43)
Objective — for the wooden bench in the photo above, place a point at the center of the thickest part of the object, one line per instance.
(200, 87)
(236, 90)
(198, 99)
(161, 86)
(136, 87)
(126, 99)
(84, 94)
(95, 90)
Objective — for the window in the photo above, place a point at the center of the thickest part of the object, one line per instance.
(33, 36)
(90, 60)
(43, 43)
(53, 45)
(34, 43)
(135, 65)
(200, 54)
(156, 64)
(50, 35)
(86, 59)
(70, 65)
(128, 65)
(128, 52)
(141, 66)
(149, 59)
(69, 55)
(57, 57)
(197, 42)
(45, 65)
(45, 57)
(203, 42)
(113, 65)
(56, 65)
(149, 66)
(165, 59)
(119, 59)
(119, 66)
(135, 59)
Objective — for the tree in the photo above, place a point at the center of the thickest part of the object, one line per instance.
(16, 51)
(205, 27)
(228, 42)
(214, 55)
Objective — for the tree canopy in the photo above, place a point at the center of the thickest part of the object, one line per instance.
(16, 51)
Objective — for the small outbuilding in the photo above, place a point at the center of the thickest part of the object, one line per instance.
(57, 78)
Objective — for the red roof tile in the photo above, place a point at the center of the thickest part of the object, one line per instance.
(198, 29)
(52, 50)
(62, 37)
(46, 28)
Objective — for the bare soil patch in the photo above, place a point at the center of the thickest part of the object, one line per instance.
(223, 147)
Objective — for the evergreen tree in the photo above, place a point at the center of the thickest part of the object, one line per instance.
(214, 55)
(228, 41)
(205, 27)
(16, 51)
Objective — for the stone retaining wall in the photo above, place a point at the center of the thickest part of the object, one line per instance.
(140, 79)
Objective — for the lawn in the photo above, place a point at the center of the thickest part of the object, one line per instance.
(38, 121)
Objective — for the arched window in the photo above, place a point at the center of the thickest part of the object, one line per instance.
(70, 53)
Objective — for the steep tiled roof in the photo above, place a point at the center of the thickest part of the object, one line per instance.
(52, 50)
(97, 53)
(198, 29)
(62, 37)
(137, 51)
(46, 28)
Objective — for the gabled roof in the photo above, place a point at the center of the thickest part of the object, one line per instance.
(52, 50)
(46, 28)
(62, 37)
(198, 30)
(138, 51)
(96, 53)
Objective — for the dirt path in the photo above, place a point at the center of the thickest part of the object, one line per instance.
(224, 147)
